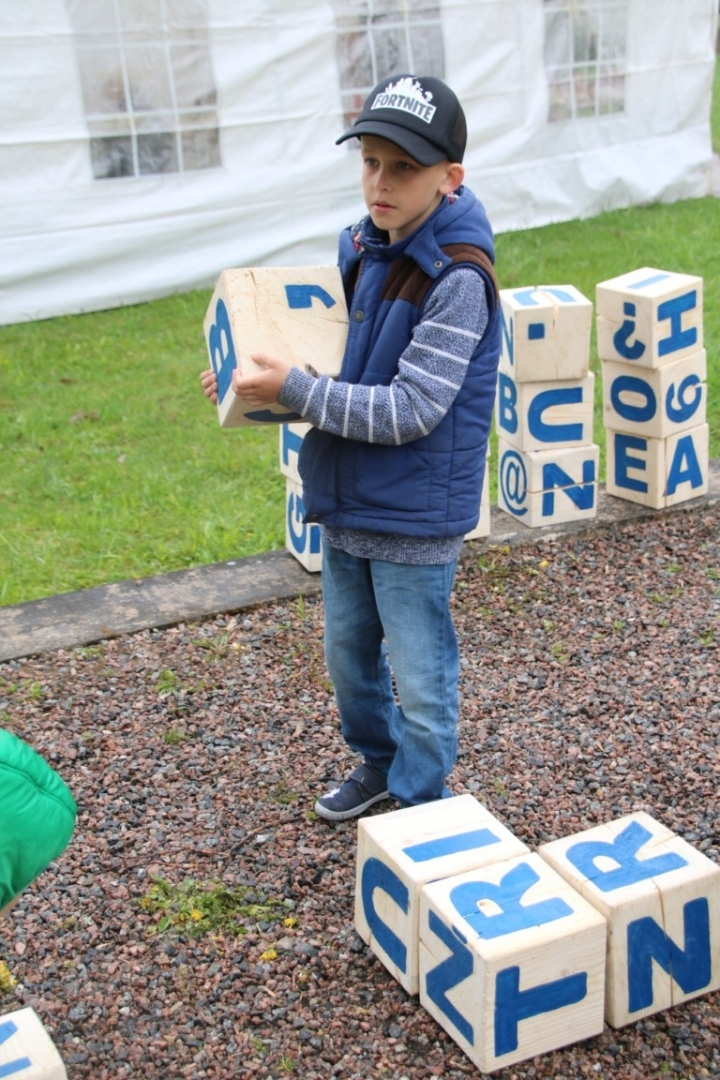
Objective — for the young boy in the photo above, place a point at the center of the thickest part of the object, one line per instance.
(393, 465)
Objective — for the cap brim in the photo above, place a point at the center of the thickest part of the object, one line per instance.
(419, 149)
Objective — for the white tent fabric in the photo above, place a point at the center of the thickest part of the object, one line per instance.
(146, 145)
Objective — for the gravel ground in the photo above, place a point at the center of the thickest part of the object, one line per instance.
(590, 689)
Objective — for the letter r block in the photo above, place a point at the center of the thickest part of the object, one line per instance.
(661, 898)
(399, 852)
(512, 961)
(26, 1050)
(545, 333)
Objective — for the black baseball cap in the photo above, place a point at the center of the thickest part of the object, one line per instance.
(418, 113)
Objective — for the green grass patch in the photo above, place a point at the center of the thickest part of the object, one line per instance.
(195, 908)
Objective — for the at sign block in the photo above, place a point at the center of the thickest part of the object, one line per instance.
(545, 333)
(296, 313)
(658, 472)
(655, 402)
(401, 851)
(547, 487)
(661, 899)
(301, 539)
(291, 437)
(512, 961)
(483, 526)
(649, 317)
(542, 416)
(26, 1050)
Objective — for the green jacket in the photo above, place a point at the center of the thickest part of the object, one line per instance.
(37, 815)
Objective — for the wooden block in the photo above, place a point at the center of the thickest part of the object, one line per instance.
(483, 526)
(546, 333)
(401, 851)
(302, 540)
(546, 487)
(661, 898)
(658, 472)
(297, 313)
(656, 402)
(512, 961)
(539, 416)
(26, 1049)
(291, 437)
(649, 317)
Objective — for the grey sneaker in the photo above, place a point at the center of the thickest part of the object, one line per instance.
(363, 787)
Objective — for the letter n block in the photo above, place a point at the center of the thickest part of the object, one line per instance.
(301, 539)
(543, 416)
(661, 898)
(296, 313)
(512, 961)
(26, 1050)
(545, 333)
(547, 487)
(291, 437)
(658, 472)
(399, 852)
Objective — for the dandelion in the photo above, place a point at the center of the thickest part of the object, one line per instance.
(196, 915)
(290, 921)
(8, 981)
(269, 954)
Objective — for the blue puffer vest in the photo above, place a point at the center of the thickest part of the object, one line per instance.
(432, 486)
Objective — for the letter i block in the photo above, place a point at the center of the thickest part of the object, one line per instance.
(649, 317)
(291, 437)
(26, 1049)
(512, 961)
(541, 416)
(656, 402)
(658, 472)
(399, 852)
(297, 313)
(545, 333)
(546, 487)
(661, 898)
(301, 539)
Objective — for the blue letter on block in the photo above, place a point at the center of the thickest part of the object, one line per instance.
(673, 310)
(640, 414)
(507, 400)
(647, 941)
(295, 512)
(457, 967)
(450, 845)
(554, 433)
(513, 1004)
(623, 851)
(7, 1030)
(290, 443)
(624, 461)
(301, 296)
(507, 895)
(684, 456)
(376, 875)
(221, 349)
(583, 495)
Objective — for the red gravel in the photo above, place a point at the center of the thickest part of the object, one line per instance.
(590, 677)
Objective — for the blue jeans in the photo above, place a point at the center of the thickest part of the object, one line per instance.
(377, 612)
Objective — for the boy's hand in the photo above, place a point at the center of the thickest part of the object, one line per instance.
(263, 387)
(208, 380)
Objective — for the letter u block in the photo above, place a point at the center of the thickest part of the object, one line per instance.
(655, 402)
(298, 313)
(291, 437)
(399, 852)
(658, 472)
(544, 416)
(512, 961)
(303, 540)
(545, 333)
(546, 487)
(649, 317)
(26, 1050)
(661, 898)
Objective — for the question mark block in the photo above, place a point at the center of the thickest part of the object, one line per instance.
(658, 473)
(295, 313)
(655, 402)
(548, 487)
(398, 853)
(649, 317)
(26, 1049)
(545, 333)
(661, 899)
(302, 539)
(512, 961)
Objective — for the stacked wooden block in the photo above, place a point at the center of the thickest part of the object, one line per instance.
(26, 1049)
(654, 372)
(518, 953)
(547, 461)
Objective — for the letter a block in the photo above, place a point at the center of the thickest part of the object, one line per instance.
(658, 472)
(512, 961)
(540, 416)
(655, 403)
(545, 333)
(661, 898)
(399, 852)
(295, 313)
(26, 1050)
(649, 317)
(301, 539)
(546, 487)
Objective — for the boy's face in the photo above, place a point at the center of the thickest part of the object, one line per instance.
(399, 193)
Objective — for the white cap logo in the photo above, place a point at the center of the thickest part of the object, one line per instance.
(408, 96)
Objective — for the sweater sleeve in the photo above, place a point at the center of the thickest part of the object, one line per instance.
(430, 373)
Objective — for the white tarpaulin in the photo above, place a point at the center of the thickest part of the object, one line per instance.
(146, 145)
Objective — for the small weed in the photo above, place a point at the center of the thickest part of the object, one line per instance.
(618, 625)
(500, 789)
(8, 982)
(195, 908)
(674, 568)
(258, 1044)
(174, 736)
(713, 573)
(218, 646)
(282, 793)
(89, 652)
(287, 1064)
(707, 637)
(560, 652)
(548, 626)
(167, 682)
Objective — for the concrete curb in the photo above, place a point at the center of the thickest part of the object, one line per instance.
(74, 619)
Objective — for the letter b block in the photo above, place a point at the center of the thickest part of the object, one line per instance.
(661, 898)
(26, 1050)
(399, 852)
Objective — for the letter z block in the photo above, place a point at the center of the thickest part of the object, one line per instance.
(545, 333)
(661, 898)
(302, 539)
(296, 313)
(546, 487)
(26, 1050)
(399, 852)
(512, 961)
(291, 437)
(655, 402)
(543, 416)
(649, 317)
(658, 472)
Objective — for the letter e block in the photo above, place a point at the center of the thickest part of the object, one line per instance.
(297, 313)
(661, 898)
(26, 1049)
(655, 402)
(541, 416)
(291, 437)
(399, 852)
(512, 961)
(546, 487)
(302, 539)
(545, 333)
(658, 472)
